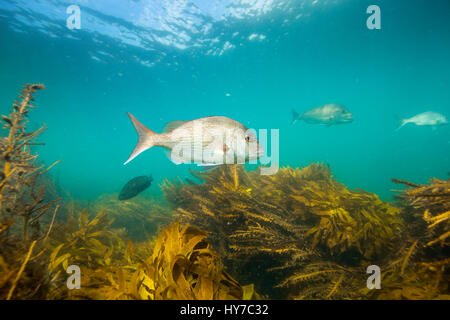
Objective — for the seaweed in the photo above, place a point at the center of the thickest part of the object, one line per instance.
(183, 266)
(22, 204)
(420, 270)
(291, 225)
(90, 244)
(179, 264)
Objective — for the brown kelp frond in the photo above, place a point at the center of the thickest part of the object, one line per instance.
(92, 245)
(420, 269)
(178, 265)
(20, 196)
(183, 266)
(420, 281)
(23, 203)
(85, 242)
(283, 220)
(433, 202)
(325, 280)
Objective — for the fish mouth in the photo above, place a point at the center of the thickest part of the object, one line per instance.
(348, 118)
(256, 154)
(260, 152)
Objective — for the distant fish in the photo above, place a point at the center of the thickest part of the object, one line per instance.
(206, 141)
(428, 118)
(134, 187)
(328, 115)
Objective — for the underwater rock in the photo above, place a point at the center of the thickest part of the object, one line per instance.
(135, 186)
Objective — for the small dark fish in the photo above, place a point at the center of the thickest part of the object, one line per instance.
(134, 187)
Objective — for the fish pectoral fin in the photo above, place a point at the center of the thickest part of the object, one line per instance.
(175, 160)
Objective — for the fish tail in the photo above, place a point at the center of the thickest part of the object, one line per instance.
(402, 123)
(295, 116)
(146, 138)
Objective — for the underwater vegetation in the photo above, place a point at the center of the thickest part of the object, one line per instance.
(299, 233)
(179, 264)
(421, 269)
(22, 204)
(183, 266)
(434, 201)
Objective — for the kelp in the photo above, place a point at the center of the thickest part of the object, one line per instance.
(298, 234)
(324, 280)
(410, 278)
(85, 242)
(434, 200)
(179, 264)
(22, 204)
(183, 267)
(421, 269)
(287, 221)
(90, 244)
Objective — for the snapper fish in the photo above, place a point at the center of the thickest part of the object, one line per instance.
(428, 118)
(327, 114)
(208, 141)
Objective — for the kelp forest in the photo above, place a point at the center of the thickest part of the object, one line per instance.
(227, 233)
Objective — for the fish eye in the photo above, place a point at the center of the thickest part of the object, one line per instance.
(247, 138)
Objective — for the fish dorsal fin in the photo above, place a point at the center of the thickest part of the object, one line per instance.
(172, 125)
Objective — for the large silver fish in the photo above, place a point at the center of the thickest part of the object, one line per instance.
(328, 115)
(428, 118)
(206, 141)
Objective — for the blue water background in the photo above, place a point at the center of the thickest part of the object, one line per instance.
(302, 54)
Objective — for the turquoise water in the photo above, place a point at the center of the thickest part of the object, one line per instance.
(248, 60)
